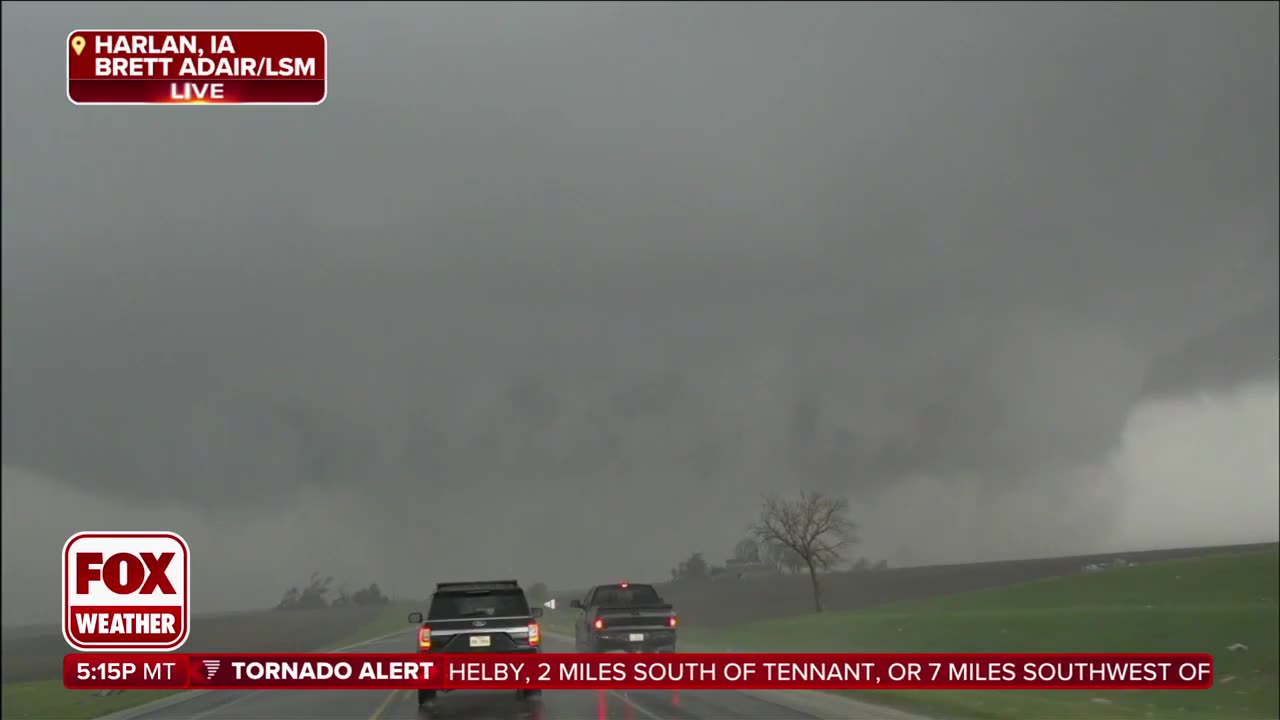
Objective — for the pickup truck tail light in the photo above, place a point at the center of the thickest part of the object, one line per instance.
(599, 624)
(424, 638)
(671, 621)
(535, 633)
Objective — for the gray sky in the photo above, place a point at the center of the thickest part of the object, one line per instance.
(559, 290)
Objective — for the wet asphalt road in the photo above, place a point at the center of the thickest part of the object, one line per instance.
(403, 705)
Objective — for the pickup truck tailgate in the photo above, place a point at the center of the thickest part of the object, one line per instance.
(649, 616)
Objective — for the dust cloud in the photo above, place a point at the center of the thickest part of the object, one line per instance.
(1192, 470)
(1198, 470)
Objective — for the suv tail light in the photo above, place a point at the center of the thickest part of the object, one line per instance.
(671, 621)
(535, 633)
(424, 638)
(599, 623)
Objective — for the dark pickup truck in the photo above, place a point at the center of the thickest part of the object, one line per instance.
(478, 617)
(632, 618)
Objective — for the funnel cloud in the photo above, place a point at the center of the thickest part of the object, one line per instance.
(559, 291)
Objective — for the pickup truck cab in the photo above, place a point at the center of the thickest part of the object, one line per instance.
(631, 618)
(478, 617)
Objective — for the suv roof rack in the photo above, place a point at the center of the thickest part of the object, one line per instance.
(478, 585)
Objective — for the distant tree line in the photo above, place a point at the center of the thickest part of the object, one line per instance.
(320, 593)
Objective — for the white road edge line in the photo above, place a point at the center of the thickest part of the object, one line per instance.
(634, 705)
(165, 702)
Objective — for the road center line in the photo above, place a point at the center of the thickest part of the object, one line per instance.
(385, 704)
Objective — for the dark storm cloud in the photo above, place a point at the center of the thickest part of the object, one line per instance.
(646, 257)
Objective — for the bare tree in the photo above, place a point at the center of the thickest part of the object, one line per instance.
(817, 528)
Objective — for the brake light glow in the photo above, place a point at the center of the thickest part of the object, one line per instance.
(424, 638)
(599, 623)
(671, 621)
(535, 633)
(624, 583)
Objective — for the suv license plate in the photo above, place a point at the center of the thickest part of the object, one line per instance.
(637, 637)
(479, 641)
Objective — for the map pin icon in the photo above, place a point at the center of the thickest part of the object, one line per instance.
(77, 44)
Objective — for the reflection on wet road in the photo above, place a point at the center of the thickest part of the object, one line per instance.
(591, 705)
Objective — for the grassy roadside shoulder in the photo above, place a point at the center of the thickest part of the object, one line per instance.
(1182, 606)
(395, 617)
(49, 700)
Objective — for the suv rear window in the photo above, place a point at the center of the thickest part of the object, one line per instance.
(478, 603)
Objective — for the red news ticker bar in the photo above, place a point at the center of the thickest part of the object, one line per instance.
(183, 67)
(566, 671)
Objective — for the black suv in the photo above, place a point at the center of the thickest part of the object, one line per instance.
(484, 616)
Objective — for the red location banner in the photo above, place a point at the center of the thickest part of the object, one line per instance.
(565, 671)
(197, 67)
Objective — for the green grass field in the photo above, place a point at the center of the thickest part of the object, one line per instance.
(49, 700)
(1200, 605)
(395, 617)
